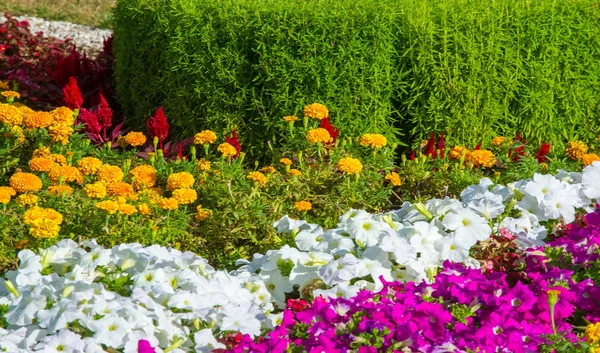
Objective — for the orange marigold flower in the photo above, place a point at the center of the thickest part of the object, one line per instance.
(11, 94)
(183, 180)
(38, 120)
(135, 139)
(58, 158)
(16, 132)
(482, 158)
(205, 137)
(592, 333)
(316, 111)
(498, 141)
(144, 209)
(169, 204)
(59, 190)
(589, 158)
(63, 115)
(6, 192)
(60, 133)
(303, 206)
(268, 169)
(227, 150)
(27, 200)
(143, 177)
(36, 213)
(119, 188)
(373, 140)
(394, 178)
(42, 152)
(258, 177)
(69, 174)
(21, 244)
(576, 150)
(203, 165)
(41, 164)
(290, 118)
(285, 161)
(185, 196)
(201, 213)
(89, 165)
(127, 209)
(10, 114)
(349, 165)
(457, 151)
(44, 228)
(108, 206)
(25, 182)
(95, 190)
(294, 172)
(4, 85)
(318, 135)
(109, 174)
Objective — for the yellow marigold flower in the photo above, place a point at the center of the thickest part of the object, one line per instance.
(457, 151)
(10, 114)
(183, 180)
(498, 141)
(169, 204)
(89, 165)
(38, 120)
(36, 213)
(318, 135)
(227, 149)
(482, 158)
(294, 172)
(135, 139)
(185, 196)
(41, 164)
(303, 206)
(42, 152)
(58, 190)
(205, 137)
(6, 192)
(27, 200)
(63, 115)
(576, 150)
(108, 206)
(44, 228)
(285, 161)
(589, 158)
(4, 85)
(268, 169)
(258, 177)
(119, 188)
(127, 209)
(16, 132)
(201, 213)
(11, 94)
(349, 165)
(143, 177)
(69, 174)
(109, 174)
(25, 182)
(316, 111)
(59, 159)
(592, 333)
(203, 165)
(394, 178)
(373, 140)
(95, 190)
(144, 209)
(60, 133)
(290, 118)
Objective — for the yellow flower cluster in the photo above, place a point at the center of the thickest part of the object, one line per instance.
(183, 180)
(290, 118)
(201, 213)
(589, 158)
(457, 151)
(303, 206)
(10, 114)
(285, 161)
(482, 158)
(185, 196)
(205, 137)
(109, 174)
(60, 133)
(169, 204)
(25, 182)
(203, 165)
(373, 140)
(576, 150)
(318, 135)
(316, 111)
(16, 132)
(349, 165)
(41, 164)
(11, 94)
(38, 120)
(268, 169)
(6, 192)
(89, 165)
(143, 177)
(294, 172)
(499, 141)
(26, 200)
(592, 333)
(96, 190)
(59, 190)
(258, 178)
(63, 115)
(66, 174)
(120, 188)
(44, 222)
(227, 149)
(393, 178)
(135, 139)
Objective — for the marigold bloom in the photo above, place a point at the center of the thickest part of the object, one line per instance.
(4, 85)
(58, 159)
(576, 150)
(25, 182)
(318, 135)
(169, 204)
(268, 169)
(27, 200)
(394, 178)
(592, 333)
(95, 190)
(60, 133)
(42, 152)
(316, 111)
(21, 244)
(58, 190)
(69, 174)
(203, 165)
(119, 188)
(290, 118)
(144, 209)
(135, 139)
(41, 164)
(349, 165)
(285, 161)
(10, 114)
(143, 176)
(185, 196)
(127, 209)
(44, 229)
(294, 172)
(303, 206)
(16, 132)
(183, 180)
(482, 158)
(6, 192)
(11, 94)
(36, 213)
(201, 213)
(109, 174)
(227, 149)
(498, 141)
(457, 151)
(205, 137)
(38, 120)
(63, 115)
(373, 140)
(89, 165)
(589, 158)
(258, 177)
(108, 206)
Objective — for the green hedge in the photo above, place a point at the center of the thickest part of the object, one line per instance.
(401, 67)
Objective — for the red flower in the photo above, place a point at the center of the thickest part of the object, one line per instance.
(542, 154)
(478, 147)
(158, 126)
(90, 120)
(104, 113)
(441, 146)
(72, 95)
(297, 304)
(333, 132)
(233, 140)
(412, 155)
(430, 148)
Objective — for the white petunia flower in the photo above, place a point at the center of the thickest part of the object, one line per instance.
(22, 311)
(589, 180)
(206, 341)
(468, 227)
(110, 330)
(340, 270)
(64, 341)
(365, 230)
(238, 320)
(277, 285)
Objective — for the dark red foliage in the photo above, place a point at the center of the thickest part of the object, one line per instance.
(233, 140)
(441, 146)
(430, 148)
(158, 126)
(542, 153)
(72, 95)
(333, 132)
(500, 254)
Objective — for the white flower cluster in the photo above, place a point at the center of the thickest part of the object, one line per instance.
(116, 297)
(411, 243)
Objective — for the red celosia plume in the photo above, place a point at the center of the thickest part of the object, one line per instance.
(542, 153)
(90, 120)
(158, 126)
(333, 132)
(430, 148)
(233, 140)
(72, 95)
(441, 146)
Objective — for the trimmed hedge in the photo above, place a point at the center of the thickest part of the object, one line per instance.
(473, 69)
